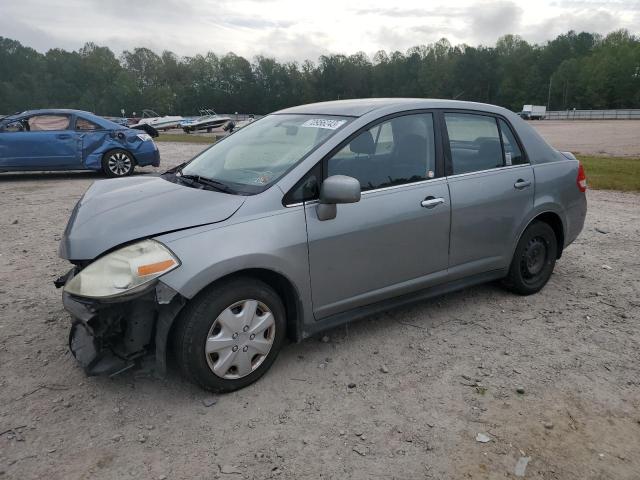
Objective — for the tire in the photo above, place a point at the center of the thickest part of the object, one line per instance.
(210, 321)
(118, 163)
(533, 260)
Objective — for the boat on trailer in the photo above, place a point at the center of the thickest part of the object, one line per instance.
(149, 117)
(208, 120)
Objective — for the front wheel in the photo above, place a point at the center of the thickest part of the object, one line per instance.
(118, 163)
(230, 334)
(533, 260)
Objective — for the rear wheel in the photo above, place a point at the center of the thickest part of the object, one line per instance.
(230, 334)
(118, 163)
(533, 260)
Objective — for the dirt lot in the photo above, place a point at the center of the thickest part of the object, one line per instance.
(452, 366)
(618, 138)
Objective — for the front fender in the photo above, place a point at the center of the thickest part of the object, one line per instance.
(276, 242)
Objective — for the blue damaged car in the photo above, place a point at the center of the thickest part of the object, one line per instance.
(60, 139)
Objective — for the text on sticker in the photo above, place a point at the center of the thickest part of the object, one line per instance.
(324, 123)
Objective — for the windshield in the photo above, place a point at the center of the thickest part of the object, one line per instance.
(259, 154)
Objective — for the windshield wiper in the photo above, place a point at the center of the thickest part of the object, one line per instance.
(209, 182)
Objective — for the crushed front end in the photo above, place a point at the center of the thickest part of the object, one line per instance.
(120, 309)
(107, 338)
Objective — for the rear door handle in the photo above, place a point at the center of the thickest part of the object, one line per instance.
(63, 136)
(520, 184)
(431, 202)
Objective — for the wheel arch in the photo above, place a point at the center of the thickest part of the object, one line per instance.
(552, 219)
(111, 149)
(283, 287)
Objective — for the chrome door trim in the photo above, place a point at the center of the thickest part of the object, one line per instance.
(497, 169)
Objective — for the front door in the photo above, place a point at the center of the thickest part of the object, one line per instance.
(395, 239)
(47, 141)
(491, 186)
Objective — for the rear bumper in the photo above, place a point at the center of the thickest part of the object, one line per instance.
(107, 338)
(576, 216)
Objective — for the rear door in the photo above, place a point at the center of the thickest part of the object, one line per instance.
(491, 184)
(91, 137)
(395, 239)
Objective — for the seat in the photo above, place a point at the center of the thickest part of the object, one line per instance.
(355, 167)
(410, 157)
(489, 154)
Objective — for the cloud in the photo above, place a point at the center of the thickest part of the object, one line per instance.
(490, 20)
(292, 46)
(289, 30)
(617, 5)
(31, 36)
(395, 12)
(600, 21)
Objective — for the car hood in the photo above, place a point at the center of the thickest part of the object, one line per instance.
(113, 212)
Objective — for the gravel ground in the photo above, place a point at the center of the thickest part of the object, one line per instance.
(428, 378)
(617, 138)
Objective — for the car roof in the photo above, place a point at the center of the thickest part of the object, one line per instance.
(361, 106)
(103, 122)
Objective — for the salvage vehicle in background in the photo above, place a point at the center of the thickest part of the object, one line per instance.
(60, 139)
(308, 218)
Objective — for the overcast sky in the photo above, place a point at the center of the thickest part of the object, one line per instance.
(301, 29)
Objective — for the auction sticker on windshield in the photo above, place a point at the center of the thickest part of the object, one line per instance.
(324, 123)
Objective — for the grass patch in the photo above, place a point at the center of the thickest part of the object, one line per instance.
(612, 173)
(184, 137)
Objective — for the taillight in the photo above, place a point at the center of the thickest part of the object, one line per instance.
(582, 179)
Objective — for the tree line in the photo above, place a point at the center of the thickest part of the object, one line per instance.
(575, 70)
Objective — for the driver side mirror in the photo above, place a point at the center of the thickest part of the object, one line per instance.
(336, 189)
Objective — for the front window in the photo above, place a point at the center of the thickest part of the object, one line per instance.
(259, 154)
(395, 152)
(40, 123)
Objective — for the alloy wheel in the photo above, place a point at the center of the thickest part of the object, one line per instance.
(119, 163)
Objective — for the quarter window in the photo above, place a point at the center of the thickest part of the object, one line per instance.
(512, 153)
(16, 126)
(395, 152)
(474, 141)
(307, 188)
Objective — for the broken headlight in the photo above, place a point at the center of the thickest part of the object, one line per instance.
(124, 271)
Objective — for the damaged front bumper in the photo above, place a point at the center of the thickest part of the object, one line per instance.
(109, 336)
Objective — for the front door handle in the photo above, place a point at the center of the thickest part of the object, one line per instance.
(431, 202)
(63, 136)
(520, 184)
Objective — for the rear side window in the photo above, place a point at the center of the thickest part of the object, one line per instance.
(394, 152)
(84, 124)
(474, 141)
(512, 153)
(41, 123)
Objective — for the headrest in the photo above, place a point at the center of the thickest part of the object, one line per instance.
(413, 145)
(363, 143)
